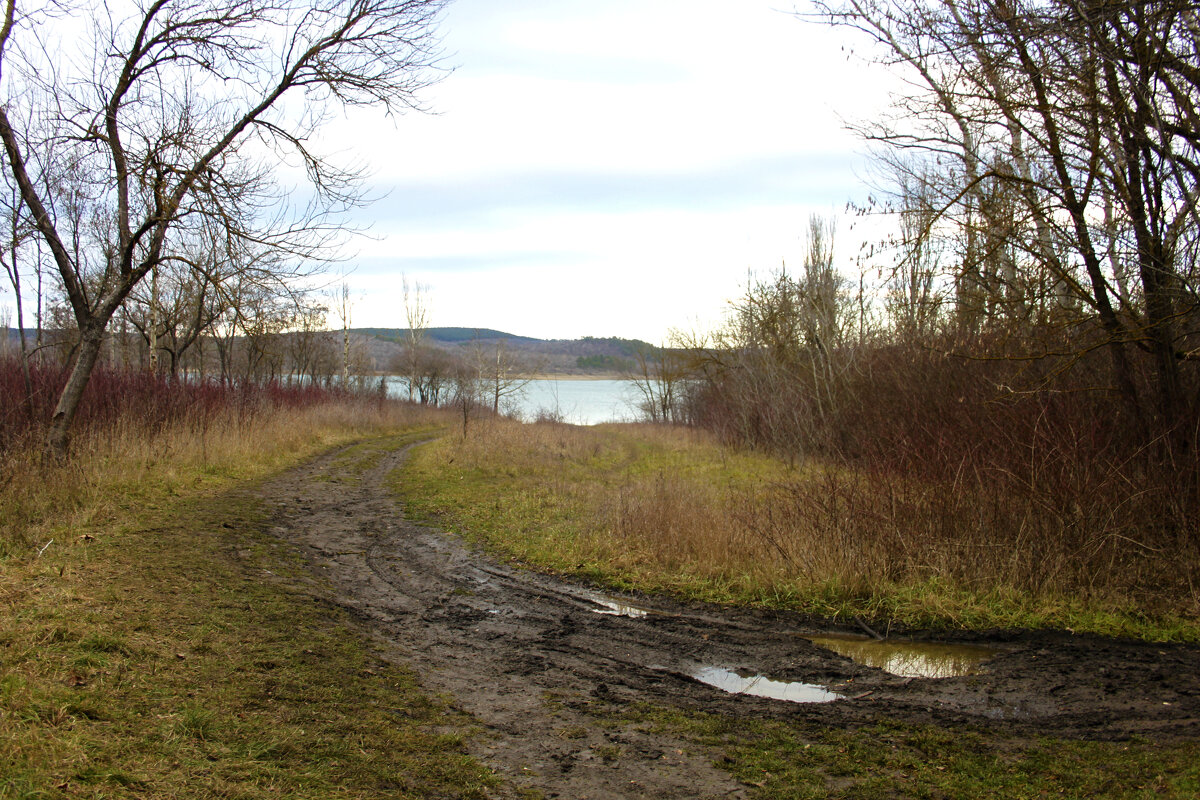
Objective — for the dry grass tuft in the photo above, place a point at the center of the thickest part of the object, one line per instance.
(671, 509)
(125, 461)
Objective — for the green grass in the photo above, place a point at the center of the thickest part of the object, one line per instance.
(188, 653)
(638, 507)
(798, 760)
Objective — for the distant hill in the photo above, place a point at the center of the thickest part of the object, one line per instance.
(446, 335)
(587, 356)
(590, 355)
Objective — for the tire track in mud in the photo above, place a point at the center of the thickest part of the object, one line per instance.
(527, 654)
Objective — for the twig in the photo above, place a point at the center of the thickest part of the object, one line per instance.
(867, 628)
(43, 548)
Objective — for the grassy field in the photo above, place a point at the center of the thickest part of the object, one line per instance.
(159, 643)
(798, 761)
(669, 510)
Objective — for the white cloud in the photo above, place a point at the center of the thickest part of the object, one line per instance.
(608, 169)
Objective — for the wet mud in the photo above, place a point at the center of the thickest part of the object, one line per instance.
(529, 655)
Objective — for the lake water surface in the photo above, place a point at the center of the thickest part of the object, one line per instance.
(579, 402)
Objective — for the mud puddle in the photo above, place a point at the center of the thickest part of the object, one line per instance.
(533, 657)
(909, 659)
(737, 682)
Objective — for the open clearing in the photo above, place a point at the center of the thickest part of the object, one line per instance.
(575, 702)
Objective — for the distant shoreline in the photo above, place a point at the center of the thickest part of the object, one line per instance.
(566, 376)
(541, 376)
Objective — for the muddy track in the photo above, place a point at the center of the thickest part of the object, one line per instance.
(527, 655)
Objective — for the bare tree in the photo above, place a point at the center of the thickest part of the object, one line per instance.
(17, 233)
(310, 344)
(416, 313)
(502, 374)
(430, 375)
(343, 305)
(173, 114)
(659, 379)
(468, 390)
(777, 374)
(1066, 139)
(823, 314)
(913, 298)
(180, 307)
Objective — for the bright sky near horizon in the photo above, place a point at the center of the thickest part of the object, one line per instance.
(608, 169)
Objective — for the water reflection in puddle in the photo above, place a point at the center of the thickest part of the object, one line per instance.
(760, 686)
(908, 659)
(609, 606)
(619, 609)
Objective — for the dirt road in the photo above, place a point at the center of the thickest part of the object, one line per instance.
(528, 655)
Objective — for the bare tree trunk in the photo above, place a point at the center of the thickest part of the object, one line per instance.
(16, 281)
(345, 358)
(58, 439)
(416, 312)
(38, 340)
(344, 308)
(496, 386)
(152, 334)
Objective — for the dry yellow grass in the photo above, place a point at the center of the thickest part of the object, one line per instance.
(670, 509)
(643, 500)
(126, 463)
(146, 652)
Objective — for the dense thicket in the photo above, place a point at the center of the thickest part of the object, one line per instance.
(116, 396)
(1023, 384)
(1046, 167)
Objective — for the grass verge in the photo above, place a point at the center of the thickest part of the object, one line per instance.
(892, 759)
(164, 645)
(671, 511)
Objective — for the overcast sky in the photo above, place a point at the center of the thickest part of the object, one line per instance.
(608, 169)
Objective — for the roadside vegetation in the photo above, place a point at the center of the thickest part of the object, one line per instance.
(1002, 403)
(784, 760)
(141, 435)
(159, 642)
(671, 509)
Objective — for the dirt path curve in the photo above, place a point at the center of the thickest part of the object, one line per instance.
(527, 655)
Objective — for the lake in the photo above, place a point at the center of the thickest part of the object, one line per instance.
(579, 402)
